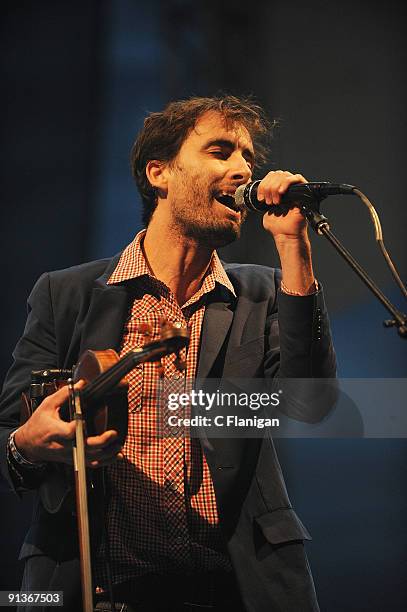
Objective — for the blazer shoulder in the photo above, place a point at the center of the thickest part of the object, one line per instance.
(86, 272)
(69, 290)
(77, 278)
(253, 279)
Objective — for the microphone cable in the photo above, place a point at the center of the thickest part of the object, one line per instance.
(379, 239)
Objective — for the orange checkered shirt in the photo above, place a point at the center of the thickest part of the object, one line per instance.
(161, 515)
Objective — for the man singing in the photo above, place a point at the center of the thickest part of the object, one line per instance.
(183, 523)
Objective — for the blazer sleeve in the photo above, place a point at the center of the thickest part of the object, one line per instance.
(36, 349)
(300, 358)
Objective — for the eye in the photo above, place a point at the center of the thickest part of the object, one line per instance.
(219, 153)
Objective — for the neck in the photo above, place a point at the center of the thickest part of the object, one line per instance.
(177, 261)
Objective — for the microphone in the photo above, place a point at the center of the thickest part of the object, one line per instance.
(304, 193)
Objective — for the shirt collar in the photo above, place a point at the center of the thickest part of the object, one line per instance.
(132, 264)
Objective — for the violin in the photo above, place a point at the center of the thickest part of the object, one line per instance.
(100, 405)
(104, 397)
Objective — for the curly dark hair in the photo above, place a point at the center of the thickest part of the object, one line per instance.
(164, 133)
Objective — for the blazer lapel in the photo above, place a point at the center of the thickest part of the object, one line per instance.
(107, 314)
(216, 324)
(108, 311)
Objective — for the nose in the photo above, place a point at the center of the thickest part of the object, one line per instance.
(239, 168)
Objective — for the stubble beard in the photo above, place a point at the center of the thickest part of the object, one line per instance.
(193, 215)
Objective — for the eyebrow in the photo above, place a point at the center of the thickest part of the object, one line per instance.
(228, 144)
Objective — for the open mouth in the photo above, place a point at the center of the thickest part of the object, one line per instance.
(227, 200)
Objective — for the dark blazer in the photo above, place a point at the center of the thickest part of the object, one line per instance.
(259, 333)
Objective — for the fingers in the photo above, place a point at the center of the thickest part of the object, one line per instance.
(100, 450)
(101, 441)
(61, 430)
(53, 402)
(275, 184)
(56, 399)
(103, 449)
(98, 454)
(104, 461)
(47, 437)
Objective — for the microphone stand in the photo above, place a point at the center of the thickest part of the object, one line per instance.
(320, 225)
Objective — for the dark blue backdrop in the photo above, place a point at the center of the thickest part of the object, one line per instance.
(78, 78)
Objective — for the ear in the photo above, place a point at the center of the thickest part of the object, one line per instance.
(157, 175)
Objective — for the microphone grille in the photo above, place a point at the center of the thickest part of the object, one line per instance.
(239, 196)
